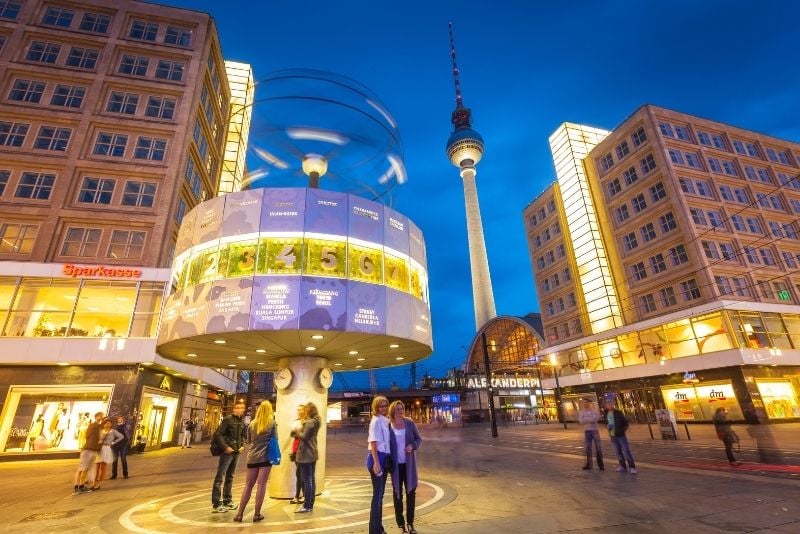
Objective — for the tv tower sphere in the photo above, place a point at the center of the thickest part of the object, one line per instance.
(465, 147)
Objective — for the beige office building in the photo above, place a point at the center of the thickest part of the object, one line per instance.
(666, 262)
(113, 125)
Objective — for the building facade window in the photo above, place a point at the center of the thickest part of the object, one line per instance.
(630, 176)
(52, 138)
(126, 244)
(657, 192)
(648, 232)
(638, 272)
(140, 194)
(96, 190)
(146, 31)
(638, 203)
(68, 96)
(629, 242)
(692, 160)
(657, 263)
(690, 290)
(17, 238)
(648, 163)
(160, 107)
(606, 162)
(4, 177)
(133, 65)
(622, 150)
(119, 102)
(82, 58)
(81, 242)
(42, 52)
(150, 148)
(614, 187)
(667, 222)
(26, 91)
(178, 36)
(35, 185)
(13, 133)
(108, 144)
(638, 137)
(678, 255)
(667, 296)
(58, 16)
(9, 9)
(95, 22)
(648, 303)
(727, 251)
(169, 70)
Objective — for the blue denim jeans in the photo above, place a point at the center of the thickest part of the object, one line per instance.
(225, 470)
(376, 507)
(623, 451)
(309, 484)
(120, 454)
(589, 437)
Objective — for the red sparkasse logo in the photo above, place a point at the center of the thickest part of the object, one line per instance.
(101, 270)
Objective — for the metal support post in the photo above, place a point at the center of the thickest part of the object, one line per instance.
(489, 384)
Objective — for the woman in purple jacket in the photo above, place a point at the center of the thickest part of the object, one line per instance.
(403, 443)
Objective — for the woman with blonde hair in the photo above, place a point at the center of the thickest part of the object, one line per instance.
(403, 443)
(379, 451)
(307, 455)
(260, 431)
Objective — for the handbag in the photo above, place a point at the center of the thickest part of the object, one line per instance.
(274, 448)
(384, 458)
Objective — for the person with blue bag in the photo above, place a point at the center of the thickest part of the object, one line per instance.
(378, 460)
(262, 439)
(307, 455)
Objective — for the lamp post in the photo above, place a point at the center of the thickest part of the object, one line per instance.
(559, 407)
(489, 384)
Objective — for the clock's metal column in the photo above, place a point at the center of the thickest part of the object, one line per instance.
(298, 382)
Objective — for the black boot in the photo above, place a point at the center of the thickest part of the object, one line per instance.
(588, 462)
(600, 461)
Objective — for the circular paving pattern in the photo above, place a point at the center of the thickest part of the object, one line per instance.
(344, 504)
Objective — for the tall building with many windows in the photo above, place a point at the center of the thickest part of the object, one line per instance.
(113, 123)
(695, 246)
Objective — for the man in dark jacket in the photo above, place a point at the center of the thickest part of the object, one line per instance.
(230, 439)
(617, 426)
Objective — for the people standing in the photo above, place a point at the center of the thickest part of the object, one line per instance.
(307, 455)
(261, 429)
(230, 438)
(725, 433)
(188, 433)
(121, 448)
(296, 426)
(379, 449)
(107, 439)
(403, 444)
(588, 417)
(86, 464)
(617, 426)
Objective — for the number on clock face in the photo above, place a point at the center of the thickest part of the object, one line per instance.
(286, 257)
(328, 259)
(366, 264)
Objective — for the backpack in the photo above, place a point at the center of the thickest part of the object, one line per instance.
(216, 449)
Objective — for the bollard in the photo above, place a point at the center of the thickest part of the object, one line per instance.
(650, 428)
(686, 427)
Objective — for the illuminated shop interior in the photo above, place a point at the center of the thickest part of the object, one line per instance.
(58, 307)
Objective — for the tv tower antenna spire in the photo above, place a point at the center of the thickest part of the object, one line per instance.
(465, 150)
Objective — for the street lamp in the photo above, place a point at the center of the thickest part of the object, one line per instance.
(559, 407)
(489, 384)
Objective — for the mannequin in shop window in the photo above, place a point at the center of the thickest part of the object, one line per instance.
(37, 429)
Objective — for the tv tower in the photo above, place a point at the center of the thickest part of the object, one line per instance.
(465, 149)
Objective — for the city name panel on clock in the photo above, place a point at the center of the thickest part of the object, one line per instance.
(298, 259)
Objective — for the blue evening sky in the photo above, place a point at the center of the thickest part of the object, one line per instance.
(526, 67)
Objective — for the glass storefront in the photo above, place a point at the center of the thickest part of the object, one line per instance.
(58, 307)
(50, 418)
(692, 336)
(156, 422)
(779, 397)
(699, 402)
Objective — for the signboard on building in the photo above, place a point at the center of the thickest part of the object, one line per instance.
(666, 424)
